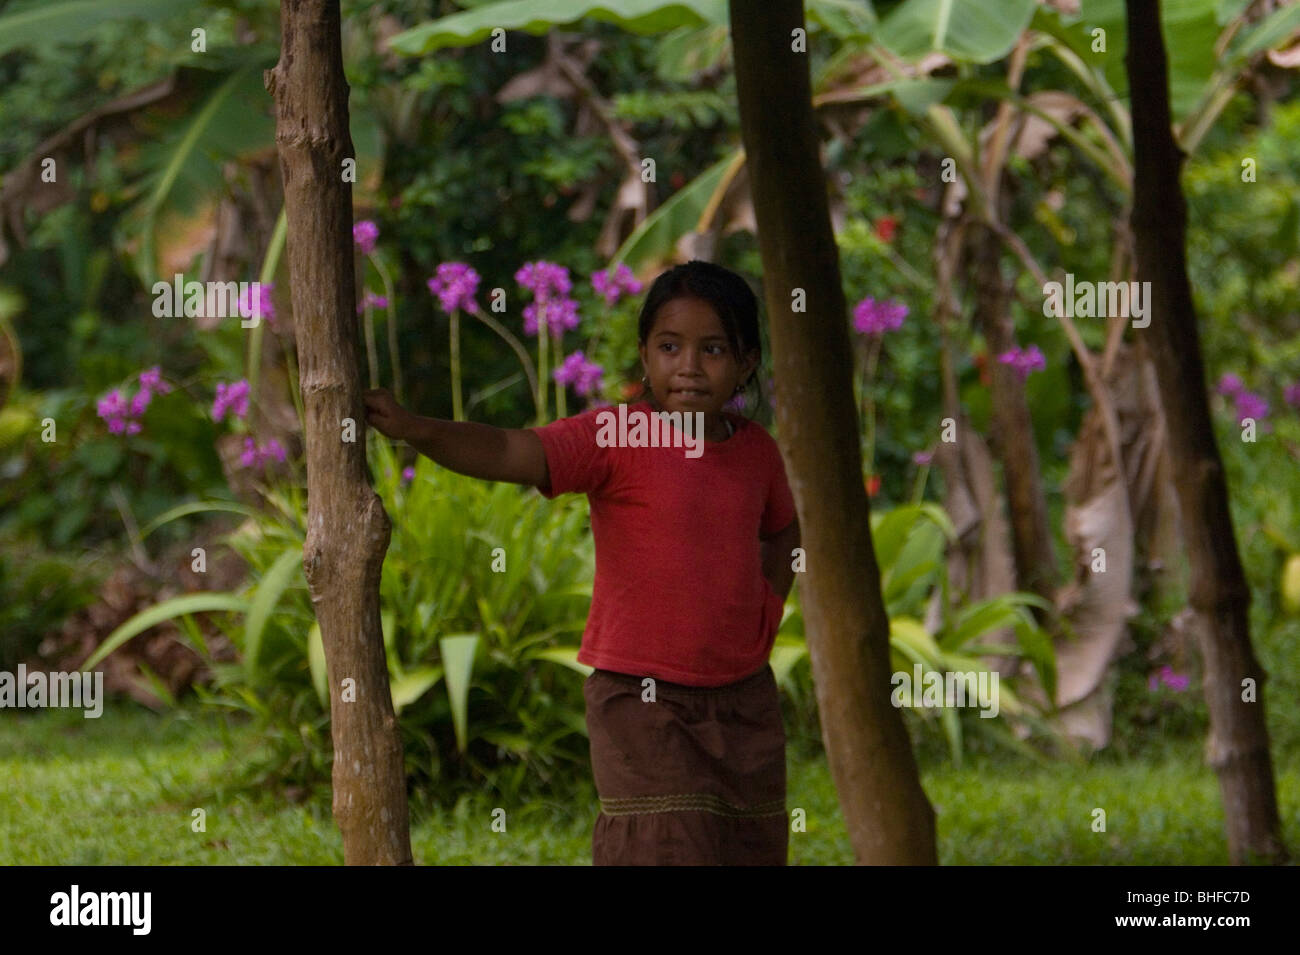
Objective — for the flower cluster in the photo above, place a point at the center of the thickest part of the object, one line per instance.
(454, 284)
(561, 315)
(371, 300)
(233, 396)
(550, 285)
(263, 305)
(123, 416)
(613, 287)
(584, 375)
(1249, 404)
(872, 317)
(253, 456)
(1167, 676)
(1023, 360)
(364, 234)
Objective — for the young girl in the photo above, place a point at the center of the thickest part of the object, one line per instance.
(693, 564)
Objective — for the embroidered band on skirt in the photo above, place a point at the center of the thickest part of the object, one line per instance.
(695, 778)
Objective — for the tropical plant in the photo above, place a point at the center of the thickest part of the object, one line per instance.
(910, 542)
(483, 589)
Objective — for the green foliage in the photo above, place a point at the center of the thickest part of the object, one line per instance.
(973, 30)
(476, 638)
(530, 16)
(38, 589)
(704, 107)
(910, 543)
(68, 21)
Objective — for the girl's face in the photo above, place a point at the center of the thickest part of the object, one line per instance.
(688, 361)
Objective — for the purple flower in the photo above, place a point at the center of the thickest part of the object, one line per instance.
(1024, 360)
(231, 396)
(1166, 676)
(371, 300)
(561, 314)
(264, 305)
(455, 283)
(584, 375)
(545, 280)
(1291, 395)
(119, 415)
(408, 474)
(151, 379)
(112, 405)
(1251, 405)
(1230, 385)
(364, 234)
(922, 458)
(736, 404)
(612, 287)
(253, 456)
(871, 317)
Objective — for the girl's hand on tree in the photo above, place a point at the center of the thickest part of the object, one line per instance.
(385, 415)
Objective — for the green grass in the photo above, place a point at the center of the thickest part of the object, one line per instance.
(121, 790)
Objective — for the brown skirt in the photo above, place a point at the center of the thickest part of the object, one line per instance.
(696, 777)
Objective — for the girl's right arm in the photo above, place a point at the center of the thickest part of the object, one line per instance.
(466, 447)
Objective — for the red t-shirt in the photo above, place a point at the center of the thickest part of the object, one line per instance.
(679, 592)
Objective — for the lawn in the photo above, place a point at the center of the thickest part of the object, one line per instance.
(119, 790)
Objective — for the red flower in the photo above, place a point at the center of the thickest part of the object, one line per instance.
(873, 485)
(677, 180)
(885, 228)
(630, 389)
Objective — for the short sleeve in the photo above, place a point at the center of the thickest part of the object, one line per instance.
(779, 509)
(575, 461)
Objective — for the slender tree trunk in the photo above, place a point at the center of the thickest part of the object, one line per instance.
(889, 818)
(348, 529)
(1013, 431)
(1237, 747)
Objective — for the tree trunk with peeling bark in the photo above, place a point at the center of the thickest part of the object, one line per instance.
(1219, 597)
(347, 528)
(889, 819)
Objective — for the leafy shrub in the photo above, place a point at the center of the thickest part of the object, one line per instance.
(479, 658)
